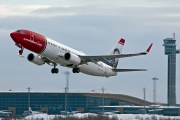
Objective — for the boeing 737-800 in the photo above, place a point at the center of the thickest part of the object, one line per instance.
(46, 50)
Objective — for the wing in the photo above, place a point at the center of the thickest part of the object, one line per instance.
(128, 70)
(110, 57)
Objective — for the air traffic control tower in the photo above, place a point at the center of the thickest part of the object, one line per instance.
(170, 51)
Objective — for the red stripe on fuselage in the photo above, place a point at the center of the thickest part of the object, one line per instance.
(30, 40)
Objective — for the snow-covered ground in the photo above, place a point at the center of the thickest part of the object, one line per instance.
(119, 116)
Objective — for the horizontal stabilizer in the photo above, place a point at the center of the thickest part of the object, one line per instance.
(128, 70)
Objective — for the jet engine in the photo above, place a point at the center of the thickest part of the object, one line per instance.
(36, 59)
(72, 58)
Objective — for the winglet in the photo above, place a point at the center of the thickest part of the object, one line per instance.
(149, 48)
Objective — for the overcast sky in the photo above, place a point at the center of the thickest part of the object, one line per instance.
(93, 27)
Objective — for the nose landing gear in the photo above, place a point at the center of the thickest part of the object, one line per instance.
(20, 51)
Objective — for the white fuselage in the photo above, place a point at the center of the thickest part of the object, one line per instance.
(55, 51)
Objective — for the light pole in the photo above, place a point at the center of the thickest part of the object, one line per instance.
(66, 91)
(144, 91)
(103, 99)
(28, 97)
(154, 89)
(65, 101)
(67, 80)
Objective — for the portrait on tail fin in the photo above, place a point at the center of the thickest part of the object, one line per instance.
(116, 50)
(116, 60)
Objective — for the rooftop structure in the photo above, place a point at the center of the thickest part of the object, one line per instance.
(54, 102)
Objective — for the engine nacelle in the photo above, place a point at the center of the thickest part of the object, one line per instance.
(36, 59)
(72, 58)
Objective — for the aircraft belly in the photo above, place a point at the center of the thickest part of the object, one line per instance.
(92, 69)
(96, 70)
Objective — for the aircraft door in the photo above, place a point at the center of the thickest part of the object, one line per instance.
(33, 41)
(31, 36)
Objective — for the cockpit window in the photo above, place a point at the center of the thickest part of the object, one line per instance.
(20, 31)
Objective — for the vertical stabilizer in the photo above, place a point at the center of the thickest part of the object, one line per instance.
(117, 49)
(30, 110)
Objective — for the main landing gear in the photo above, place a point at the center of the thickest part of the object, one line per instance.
(75, 70)
(54, 70)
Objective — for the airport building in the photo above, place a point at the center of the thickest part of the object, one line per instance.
(55, 103)
(170, 51)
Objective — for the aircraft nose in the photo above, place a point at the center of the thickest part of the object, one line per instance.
(14, 36)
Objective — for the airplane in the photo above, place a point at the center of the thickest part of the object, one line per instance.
(5, 113)
(51, 52)
(109, 113)
(35, 112)
(70, 112)
(31, 112)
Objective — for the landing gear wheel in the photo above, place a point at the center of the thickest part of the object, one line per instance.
(20, 52)
(52, 71)
(75, 70)
(56, 70)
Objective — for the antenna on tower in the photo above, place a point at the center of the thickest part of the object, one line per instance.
(174, 35)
